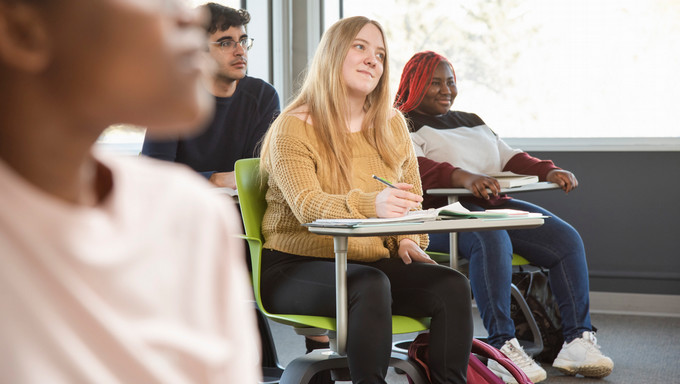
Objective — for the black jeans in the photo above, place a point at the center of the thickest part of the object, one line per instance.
(376, 291)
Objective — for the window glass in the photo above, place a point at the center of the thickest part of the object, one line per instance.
(559, 68)
(127, 139)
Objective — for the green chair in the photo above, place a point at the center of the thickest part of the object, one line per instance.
(251, 191)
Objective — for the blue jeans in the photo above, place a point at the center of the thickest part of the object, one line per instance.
(555, 245)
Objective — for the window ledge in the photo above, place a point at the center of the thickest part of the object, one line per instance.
(596, 144)
(537, 144)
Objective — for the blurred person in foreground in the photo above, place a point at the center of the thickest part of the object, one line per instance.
(115, 270)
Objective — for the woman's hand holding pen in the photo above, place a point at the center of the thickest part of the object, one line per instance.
(396, 202)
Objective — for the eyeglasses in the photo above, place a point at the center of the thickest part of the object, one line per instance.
(228, 45)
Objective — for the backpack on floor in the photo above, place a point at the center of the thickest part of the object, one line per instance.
(534, 286)
(477, 372)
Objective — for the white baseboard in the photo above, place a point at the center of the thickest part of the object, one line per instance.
(635, 304)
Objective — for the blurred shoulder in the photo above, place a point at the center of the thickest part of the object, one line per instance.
(156, 185)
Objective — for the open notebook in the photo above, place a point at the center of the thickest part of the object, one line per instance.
(451, 211)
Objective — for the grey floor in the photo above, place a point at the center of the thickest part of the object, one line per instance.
(645, 349)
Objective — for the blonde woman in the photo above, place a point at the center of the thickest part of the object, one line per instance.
(320, 154)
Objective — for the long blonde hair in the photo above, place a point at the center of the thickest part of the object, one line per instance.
(324, 96)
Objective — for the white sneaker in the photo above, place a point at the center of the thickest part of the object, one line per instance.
(514, 351)
(583, 356)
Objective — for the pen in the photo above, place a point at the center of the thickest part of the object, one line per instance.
(380, 179)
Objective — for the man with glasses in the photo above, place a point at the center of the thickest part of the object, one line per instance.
(245, 106)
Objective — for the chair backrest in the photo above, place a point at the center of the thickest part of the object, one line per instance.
(251, 196)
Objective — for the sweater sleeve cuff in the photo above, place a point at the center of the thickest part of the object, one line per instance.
(392, 242)
(422, 240)
(435, 174)
(367, 204)
(525, 164)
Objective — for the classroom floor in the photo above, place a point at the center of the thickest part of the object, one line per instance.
(645, 349)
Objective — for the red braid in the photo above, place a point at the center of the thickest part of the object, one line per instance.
(415, 79)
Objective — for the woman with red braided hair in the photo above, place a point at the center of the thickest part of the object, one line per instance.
(456, 149)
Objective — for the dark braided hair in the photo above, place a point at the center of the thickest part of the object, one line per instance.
(416, 77)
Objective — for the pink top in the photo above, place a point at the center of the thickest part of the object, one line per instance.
(150, 286)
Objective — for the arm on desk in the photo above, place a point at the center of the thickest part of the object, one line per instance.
(565, 179)
(524, 164)
(444, 175)
(546, 170)
(434, 174)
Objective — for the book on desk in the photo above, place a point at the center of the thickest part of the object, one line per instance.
(447, 212)
(510, 180)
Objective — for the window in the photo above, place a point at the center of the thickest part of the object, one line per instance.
(127, 139)
(559, 68)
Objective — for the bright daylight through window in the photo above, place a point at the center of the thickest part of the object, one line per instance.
(534, 68)
(127, 139)
(558, 68)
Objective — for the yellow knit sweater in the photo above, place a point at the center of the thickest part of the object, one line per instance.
(297, 193)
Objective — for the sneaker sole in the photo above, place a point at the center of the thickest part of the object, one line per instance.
(508, 379)
(593, 371)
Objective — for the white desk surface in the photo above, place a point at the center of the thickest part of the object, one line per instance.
(457, 225)
(540, 186)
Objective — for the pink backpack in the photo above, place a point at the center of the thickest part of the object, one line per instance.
(477, 372)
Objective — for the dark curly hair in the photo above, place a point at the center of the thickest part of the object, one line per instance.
(416, 78)
(223, 18)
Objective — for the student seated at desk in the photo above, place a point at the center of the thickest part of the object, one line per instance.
(244, 106)
(456, 149)
(101, 280)
(320, 154)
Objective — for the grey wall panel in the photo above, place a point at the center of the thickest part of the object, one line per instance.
(627, 210)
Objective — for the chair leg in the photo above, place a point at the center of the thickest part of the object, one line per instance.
(271, 368)
(302, 369)
(401, 363)
(537, 346)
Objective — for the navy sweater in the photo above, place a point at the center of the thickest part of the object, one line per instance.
(239, 124)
